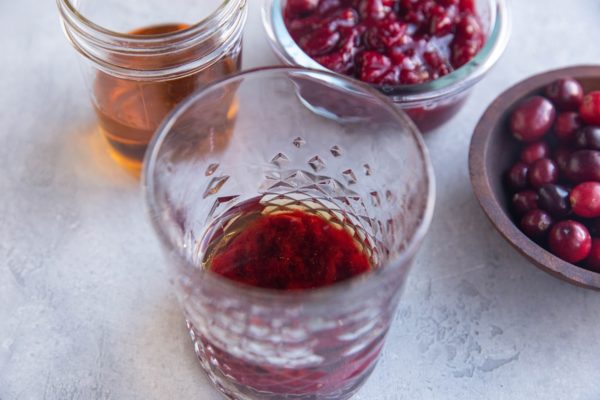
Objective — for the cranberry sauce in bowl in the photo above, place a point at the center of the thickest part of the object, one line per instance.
(424, 54)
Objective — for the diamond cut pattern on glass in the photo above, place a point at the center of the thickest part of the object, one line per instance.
(298, 142)
(317, 163)
(280, 159)
(336, 151)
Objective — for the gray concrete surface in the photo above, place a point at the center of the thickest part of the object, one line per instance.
(86, 311)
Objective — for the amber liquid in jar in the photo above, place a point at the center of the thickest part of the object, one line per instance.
(130, 111)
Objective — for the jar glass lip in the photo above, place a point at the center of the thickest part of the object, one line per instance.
(456, 82)
(223, 9)
(367, 282)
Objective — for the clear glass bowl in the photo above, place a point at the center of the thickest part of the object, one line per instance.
(429, 104)
(294, 139)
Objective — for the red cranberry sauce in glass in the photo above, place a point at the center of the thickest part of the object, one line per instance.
(288, 249)
(389, 42)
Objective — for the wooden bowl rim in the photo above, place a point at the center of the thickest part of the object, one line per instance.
(478, 152)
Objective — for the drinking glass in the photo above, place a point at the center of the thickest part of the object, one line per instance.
(297, 140)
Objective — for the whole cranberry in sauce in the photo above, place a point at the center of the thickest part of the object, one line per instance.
(570, 241)
(588, 138)
(593, 259)
(566, 126)
(565, 93)
(536, 224)
(554, 199)
(532, 119)
(590, 108)
(534, 151)
(585, 199)
(583, 165)
(517, 176)
(525, 201)
(542, 171)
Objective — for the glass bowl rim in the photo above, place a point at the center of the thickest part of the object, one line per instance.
(454, 83)
(315, 297)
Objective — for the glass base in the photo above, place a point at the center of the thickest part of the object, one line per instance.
(239, 379)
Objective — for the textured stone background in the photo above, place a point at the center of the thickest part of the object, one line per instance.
(85, 308)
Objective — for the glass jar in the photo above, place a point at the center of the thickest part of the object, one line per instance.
(429, 104)
(142, 57)
(301, 140)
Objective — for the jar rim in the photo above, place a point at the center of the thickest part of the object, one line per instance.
(314, 297)
(458, 81)
(68, 9)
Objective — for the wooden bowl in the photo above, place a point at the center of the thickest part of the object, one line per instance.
(492, 152)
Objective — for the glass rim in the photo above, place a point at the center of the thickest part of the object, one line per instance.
(459, 80)
(364, 282)
(70, 13)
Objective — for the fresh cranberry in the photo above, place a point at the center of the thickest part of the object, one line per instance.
(296, 8)
(588, 138)
(554, 199)
(565, 93)
(590, 108)
(584, 165)
(593, 259)
(542, 171)
(534, 151)
(567, 124)
(570, 241)
(532, 119)
(517, 176)
(561, 158)
(525, 201)
(593, 226)
(585, 199)
(536, 224)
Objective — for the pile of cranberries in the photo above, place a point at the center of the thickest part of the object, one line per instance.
(387, 42)
(555, 183)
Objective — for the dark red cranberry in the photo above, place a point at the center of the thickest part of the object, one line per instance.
(554, 199)
(593, 259)
(570, 241)
(374, 66)
(322, 41)
(593, 226)
(536, 224)
(442, 20)
(525, 201)
(565, 93)
(517, 176)
(567, 124)
(561, 158)
(467, 41)
(534, 151)
(532, 119)
(296, 8)
(374, 9)
(542, 171)
(385, 34)
(584, 165)
(590, 108)
(588, 138)
(585, 199)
